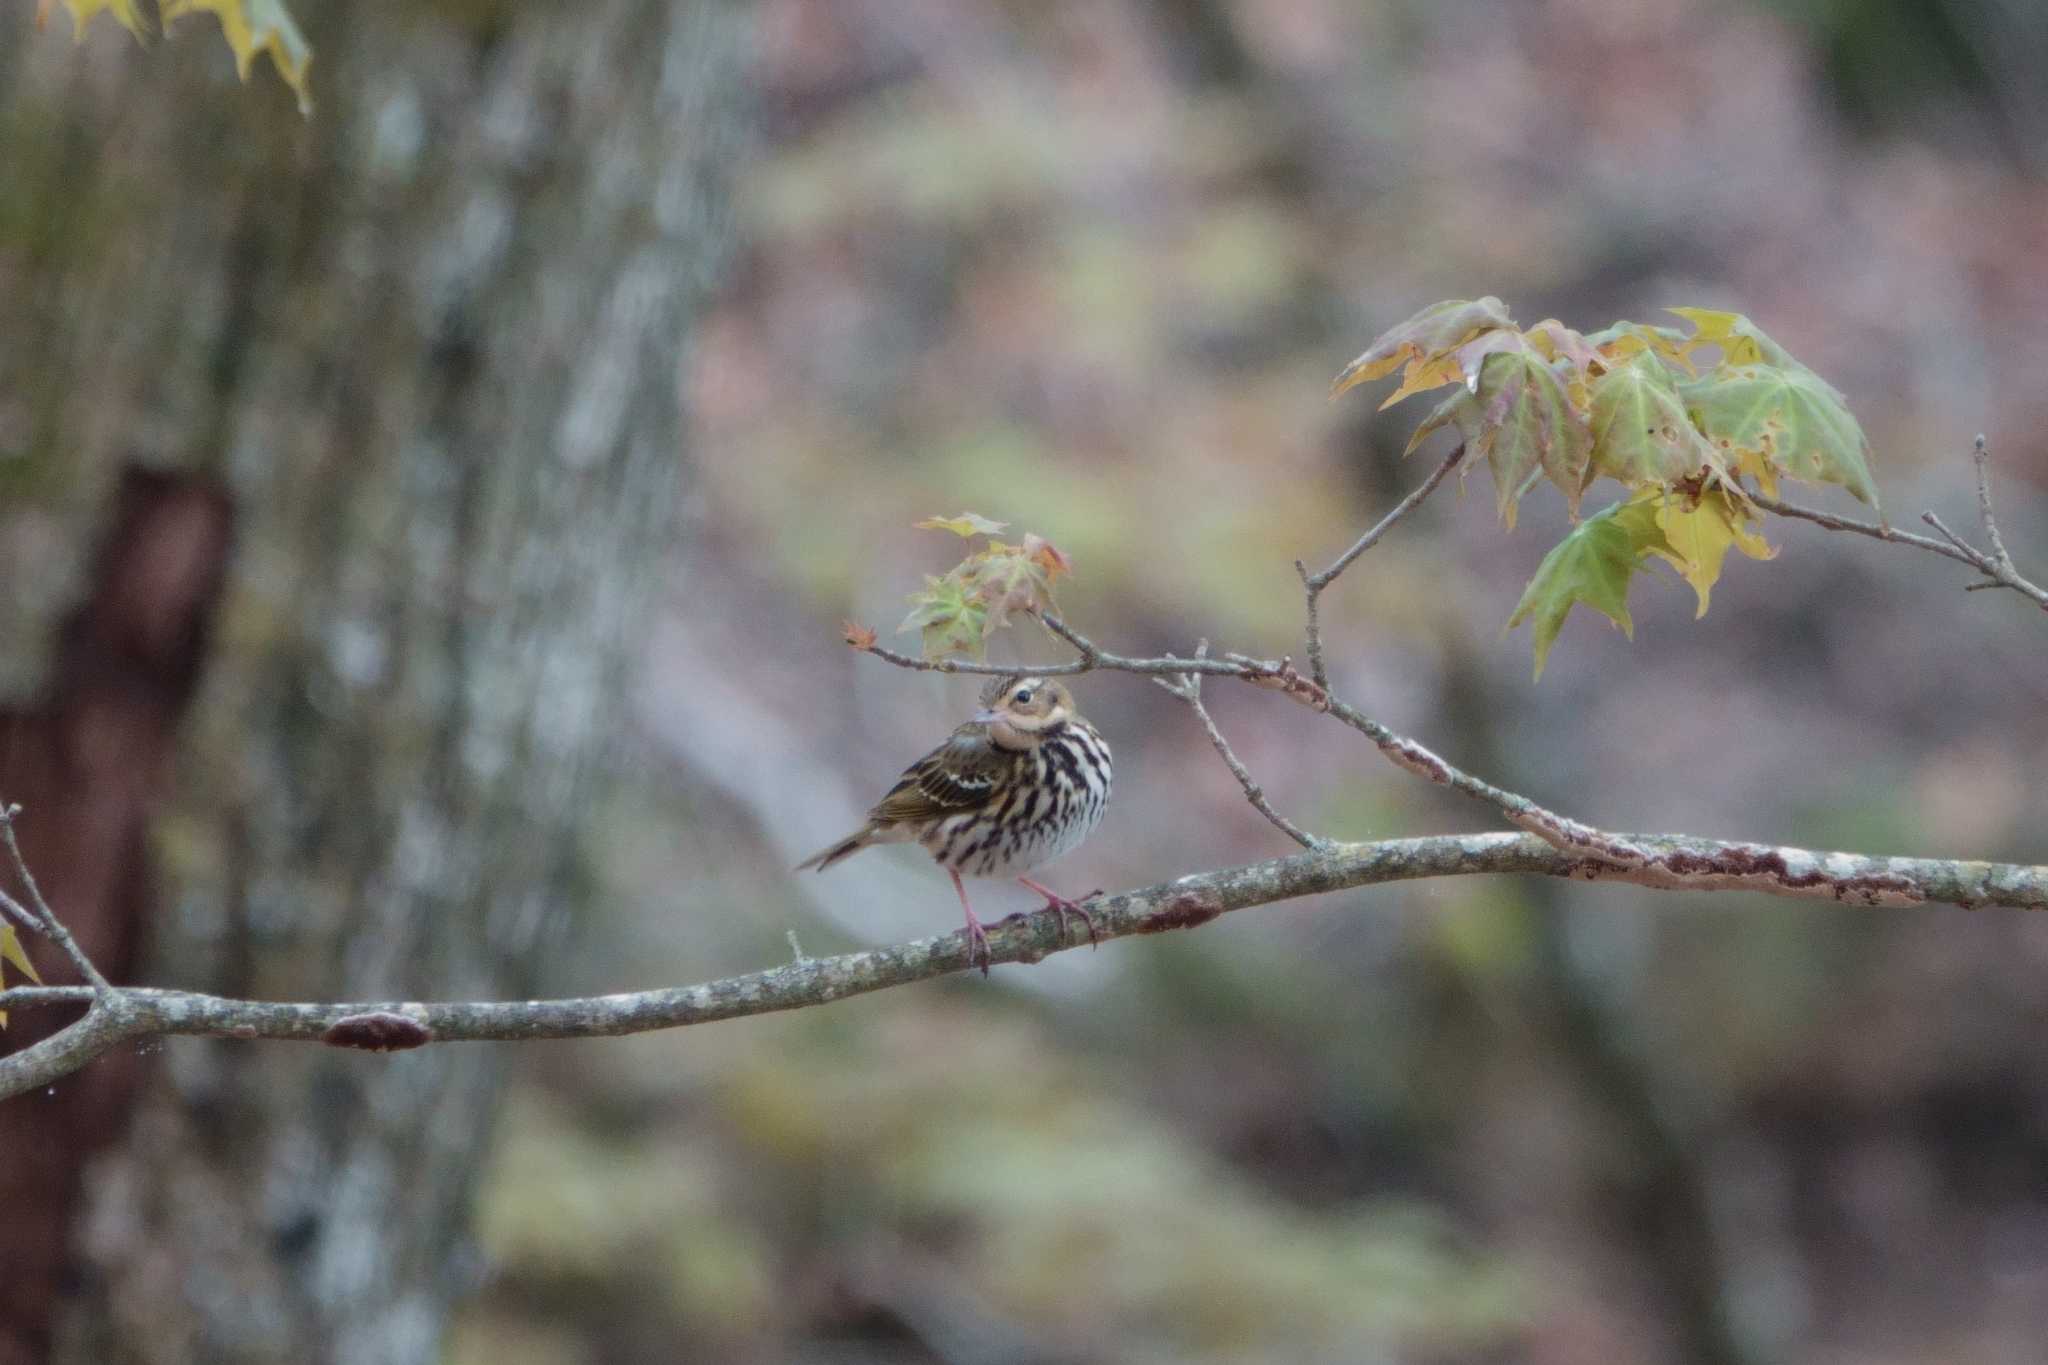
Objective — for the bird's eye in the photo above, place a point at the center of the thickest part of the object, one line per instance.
(1023, 697)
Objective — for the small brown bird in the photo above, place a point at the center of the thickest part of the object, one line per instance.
(1023, 782)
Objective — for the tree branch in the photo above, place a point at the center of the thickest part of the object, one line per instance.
(1997, 566)
(1672, 863)
(1313, 584)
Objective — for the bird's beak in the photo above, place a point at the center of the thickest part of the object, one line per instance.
(987, 716)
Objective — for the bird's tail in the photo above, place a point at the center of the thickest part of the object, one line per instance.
(844, 848)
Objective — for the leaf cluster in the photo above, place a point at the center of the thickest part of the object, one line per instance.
(957, 612)
(1678, 419)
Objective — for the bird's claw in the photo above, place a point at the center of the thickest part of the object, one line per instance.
(1061, 907)
(978, 951)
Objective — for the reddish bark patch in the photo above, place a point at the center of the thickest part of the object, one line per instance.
(87, 762)
(1767, 863)
(1184, 911)
(378, 1031)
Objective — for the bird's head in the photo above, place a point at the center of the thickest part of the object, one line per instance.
(1021, 711)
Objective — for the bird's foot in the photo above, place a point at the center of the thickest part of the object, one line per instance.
(1062, 907)
(978, 952)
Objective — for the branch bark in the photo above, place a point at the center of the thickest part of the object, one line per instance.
(1670, 863)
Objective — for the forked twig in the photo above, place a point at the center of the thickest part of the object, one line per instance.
(44, 918)
(1188, 688)
(1313, 583)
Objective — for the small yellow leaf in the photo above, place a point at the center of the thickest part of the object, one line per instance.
(82, 11)
(250, 27)
(11, 953)
(965, 525)
(1425, 373)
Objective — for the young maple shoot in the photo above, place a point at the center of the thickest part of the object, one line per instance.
(1678, 419)
(956, 612)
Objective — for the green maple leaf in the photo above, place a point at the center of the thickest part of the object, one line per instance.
(1528, 425)
(1782, 420)
(1642, 434)
(1593, 564)
(949, 620)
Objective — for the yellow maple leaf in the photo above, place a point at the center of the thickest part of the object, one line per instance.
(966, 525)
(1699, 534)
(250, 27)
(82, 11)
(13, 956)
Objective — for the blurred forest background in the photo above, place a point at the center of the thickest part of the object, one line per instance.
(1088, 268)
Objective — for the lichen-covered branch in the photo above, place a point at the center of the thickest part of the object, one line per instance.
(1670, 863)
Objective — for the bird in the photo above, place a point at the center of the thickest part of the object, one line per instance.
(1023, 782)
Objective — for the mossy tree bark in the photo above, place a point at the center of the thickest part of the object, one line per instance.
(427, 345)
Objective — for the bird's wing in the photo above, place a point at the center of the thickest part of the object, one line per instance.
(960, 775)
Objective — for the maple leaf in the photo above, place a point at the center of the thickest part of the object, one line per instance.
(125, 13)
(1698, 533)
(1423, 343)
(1047, 556)
(966, 526)
(1623, 340)
(1559, 342)
(1528, 425)
(1459, 410)
(1782, 419)
(1642, 433)
(859, 636)
(1593, 564)
(948, 619)
(1740, 341)
(978, 596)
(252, 27)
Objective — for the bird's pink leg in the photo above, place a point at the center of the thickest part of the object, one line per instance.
(977, 937)
(1063, 907)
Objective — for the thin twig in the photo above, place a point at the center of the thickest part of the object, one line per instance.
(50, 924)
(1982, 458)
(20, 912)
(1997, 567)
(1093, 657)
(1969, 553)
(1670, 863)
(1189, 689)
(1313, 584)
(1563, 831)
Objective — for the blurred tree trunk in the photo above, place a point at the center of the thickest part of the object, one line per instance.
(426, 345)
